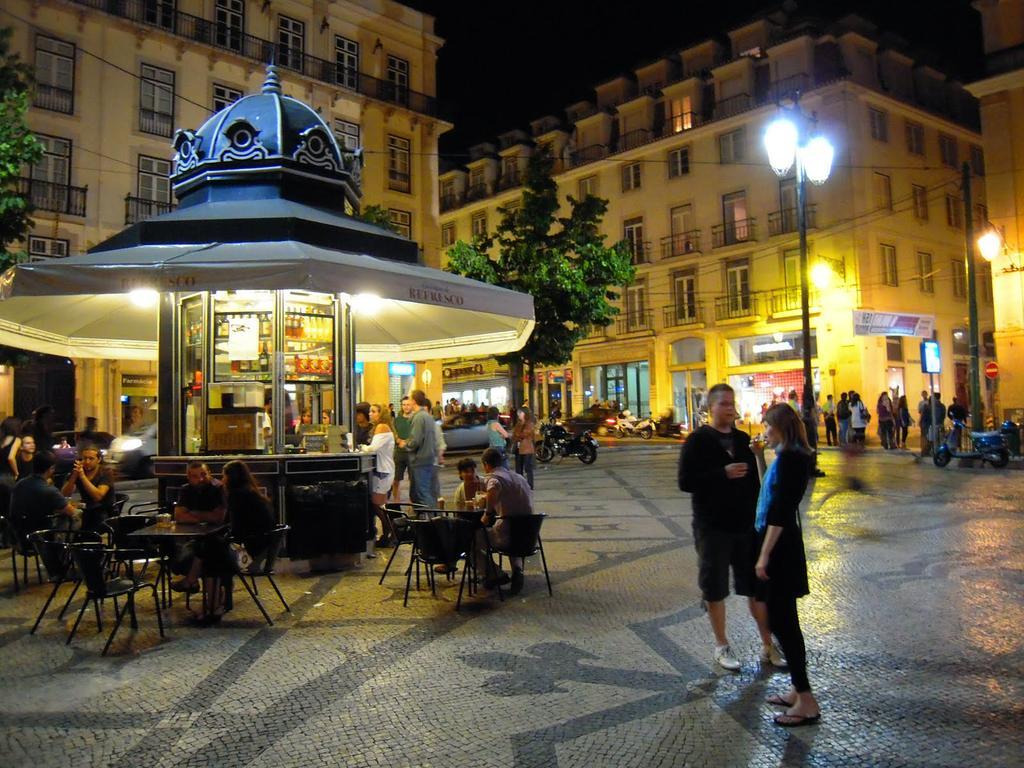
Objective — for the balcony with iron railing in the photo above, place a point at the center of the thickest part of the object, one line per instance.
(477, 192)
(156, 123)
(509, 179)
(683, 314)
(232, 39)
(633, 139)
(680, 244)
(49, 196)
(785, 220)
(737, 306)
(588, 154)
(54, 98)
(399, 181)
(733, 232)
(640, 251)
(733, 105)
(783, 300)
(634, 322)
(679, 123)
(450, 202)
(789, 87)
(139, 209)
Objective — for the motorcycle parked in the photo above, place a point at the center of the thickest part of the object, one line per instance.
(625, 425)
(663, 427)
(556, 440)
(987, 446)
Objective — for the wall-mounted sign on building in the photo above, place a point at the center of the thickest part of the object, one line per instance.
(892, 324)
(138, 384)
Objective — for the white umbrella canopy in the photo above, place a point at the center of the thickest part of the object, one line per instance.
(80, 306)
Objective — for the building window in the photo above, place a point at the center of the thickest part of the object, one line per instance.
(954, 211)
(398, 79)
(159, 13)
(879, 122)
(737, 285)
(959, 279)
(985, 280)
(685, 237)
(890, 273)
(636, 304)
(55, 75)
(43, 248)
(154, 179)
(156, 101)
(961, 344)
(291, 42)
(478, 224)
(680, 115)
(925, 272)
(977, 160)
(586, 186)
(894, 349)
(401, 222)
(399, 178)
(230, 23)
(447, 235)
(882, 185)
(347, 135)
(631, 177)
(732, 147)
(735, 224)
(980, 216)
(346, 57)
(684, 290)
(54, 167)
(948, 151)
(915, 137)
(678, 162)
(223, 96)
(633, 235)
(920, 202)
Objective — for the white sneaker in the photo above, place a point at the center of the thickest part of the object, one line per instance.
(725, 659)
(772, 654)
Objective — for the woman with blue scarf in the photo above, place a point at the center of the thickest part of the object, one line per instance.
(781, 566)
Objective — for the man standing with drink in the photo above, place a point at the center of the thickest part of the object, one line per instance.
(422, 447)
(718, 468)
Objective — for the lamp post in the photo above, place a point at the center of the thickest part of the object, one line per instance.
(787, 145)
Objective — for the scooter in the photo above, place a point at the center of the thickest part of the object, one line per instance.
(557, 441)
(987, 446)
(625, 425)
(663, 427)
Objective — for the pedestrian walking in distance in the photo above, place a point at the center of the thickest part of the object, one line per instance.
(717, 466)
(781, 566)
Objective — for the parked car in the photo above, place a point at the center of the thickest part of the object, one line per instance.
(132, 454)
(467, 433)
(598, 419)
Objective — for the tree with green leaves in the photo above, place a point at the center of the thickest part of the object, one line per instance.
(563, 262)
(18, 148)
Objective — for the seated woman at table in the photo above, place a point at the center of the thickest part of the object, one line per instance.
(251, 518)
(95, 485)
(471, 485)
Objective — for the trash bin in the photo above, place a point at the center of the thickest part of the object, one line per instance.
(1011, 432)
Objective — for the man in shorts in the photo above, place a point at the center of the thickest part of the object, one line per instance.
(717, 466)
(402, 425)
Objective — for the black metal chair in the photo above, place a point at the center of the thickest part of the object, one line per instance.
(91, 562)
(127, 550)
(400, 532)
(20, 546)
(439, 541)
(264, 567)
(51, 546)
(524, 541)
(120, 499)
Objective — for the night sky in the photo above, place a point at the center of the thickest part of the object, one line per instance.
(504, 64)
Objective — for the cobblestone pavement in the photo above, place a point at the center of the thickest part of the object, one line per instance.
(913, 627)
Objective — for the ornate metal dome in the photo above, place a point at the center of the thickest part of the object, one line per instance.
(265, 138)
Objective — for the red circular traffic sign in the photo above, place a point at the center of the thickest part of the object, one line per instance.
(991, 370)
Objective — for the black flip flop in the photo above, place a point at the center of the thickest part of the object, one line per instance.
(800, 720)
(778, 701)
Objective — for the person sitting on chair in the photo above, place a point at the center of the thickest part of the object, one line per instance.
(95, 485)
(200, 500)
(471, 484)
(508, 495)
(35, 501)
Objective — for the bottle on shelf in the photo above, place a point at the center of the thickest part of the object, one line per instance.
(264, 359)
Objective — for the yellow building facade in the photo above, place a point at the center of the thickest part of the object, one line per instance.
(115, 80)
(676, 148)
(1001, 96)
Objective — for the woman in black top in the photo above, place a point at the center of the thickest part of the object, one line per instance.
(10, 443)
(251, 518)
(781, 566)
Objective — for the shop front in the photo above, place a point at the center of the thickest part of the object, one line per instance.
(765, 369)
(621, 386)
(687, 363)
(554, 392)
(476, 382)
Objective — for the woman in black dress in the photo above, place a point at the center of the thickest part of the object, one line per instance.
(781, 566)
(251, 518)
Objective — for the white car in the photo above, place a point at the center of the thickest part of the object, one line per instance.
(132, 454)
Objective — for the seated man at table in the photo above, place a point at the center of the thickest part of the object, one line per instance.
(35, 501)
(508, 495)
(95, 485)
(200, 500)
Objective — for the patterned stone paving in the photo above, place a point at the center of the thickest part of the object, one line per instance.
(913, 631)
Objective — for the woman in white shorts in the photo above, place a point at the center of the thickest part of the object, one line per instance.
(382, 443)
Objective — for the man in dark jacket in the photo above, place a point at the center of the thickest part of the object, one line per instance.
(717, 466)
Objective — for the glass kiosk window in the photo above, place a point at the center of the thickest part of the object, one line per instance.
(309, 345)
(192, 330)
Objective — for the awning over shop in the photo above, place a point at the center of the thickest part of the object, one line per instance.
(80, 306)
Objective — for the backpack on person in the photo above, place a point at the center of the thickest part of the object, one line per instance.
(843, 410)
